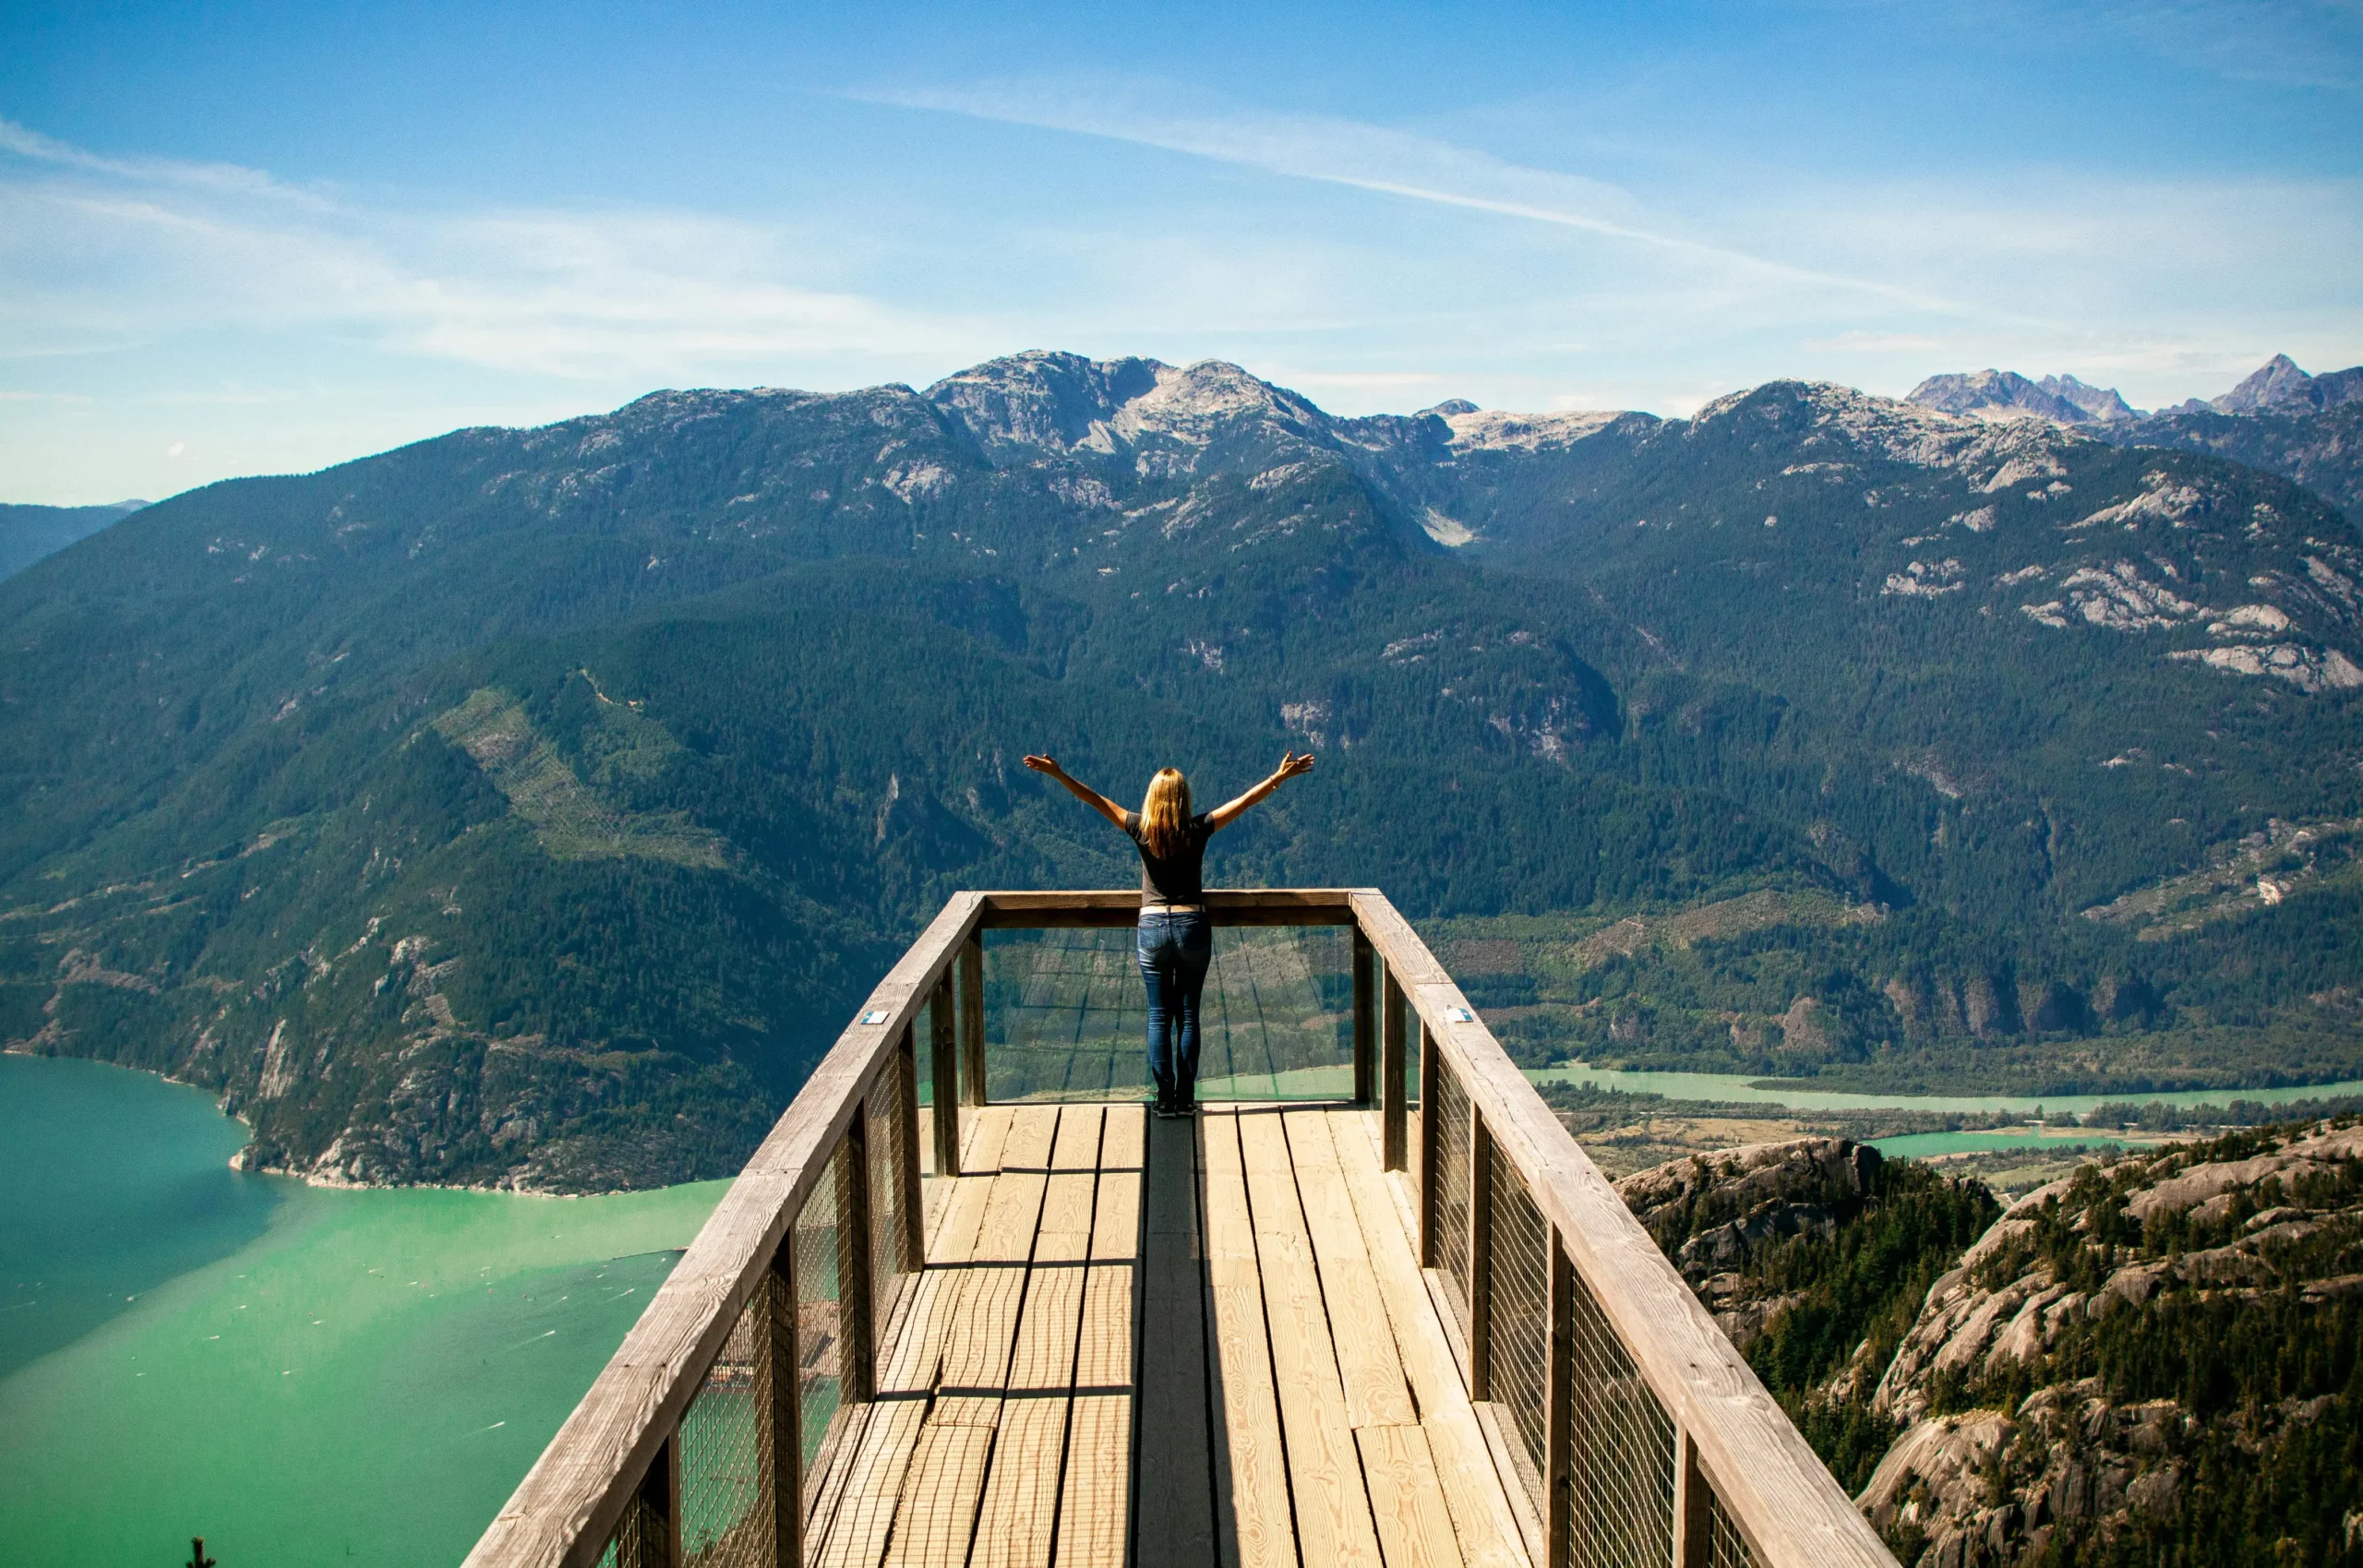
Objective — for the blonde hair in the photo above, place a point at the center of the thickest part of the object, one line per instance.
(1165, 812)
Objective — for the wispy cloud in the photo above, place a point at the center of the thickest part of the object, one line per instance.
(226, 178)
(98, 253)
(1377, 159)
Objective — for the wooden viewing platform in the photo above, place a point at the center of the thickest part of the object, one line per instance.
(1410, 1325)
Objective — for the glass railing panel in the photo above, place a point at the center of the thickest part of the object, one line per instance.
(1066, 1015)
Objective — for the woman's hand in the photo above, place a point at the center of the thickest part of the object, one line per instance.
(1228, 812)
(1046, 765)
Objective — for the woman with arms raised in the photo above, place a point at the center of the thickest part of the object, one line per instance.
(1177, 939)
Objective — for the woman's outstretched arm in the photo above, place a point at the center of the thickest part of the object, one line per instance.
(1229, 812)
(1082, 791)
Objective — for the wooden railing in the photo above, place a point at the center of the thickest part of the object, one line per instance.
(1635, 1433)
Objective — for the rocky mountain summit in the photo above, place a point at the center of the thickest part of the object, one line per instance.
(2279, 387)
(2279, 419)
(2006, 394)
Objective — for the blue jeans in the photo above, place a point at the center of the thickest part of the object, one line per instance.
(1174, 953)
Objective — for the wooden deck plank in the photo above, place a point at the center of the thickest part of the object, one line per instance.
(854, 1534)
(986, 1320)
(1077, 1145)
(1333, 1508)
(1122, 1145)
(1095, 1509)
(1377, 1390)
(1254, 1498)
(984, 1328)
(936, 1516)
(1105, 1353)
(982, 1130)
(916, 1352)
(1014, 1528)
(1487, 1529)
(1116, 1221)
(1176, 1523)
(1414, 1522)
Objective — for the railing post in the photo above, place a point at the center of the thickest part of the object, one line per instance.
(1559, 1411)
(1480, 1256)
(945, 1109)
(781, 1433)
(1430, 1118)
(1392, 1114)
(856, 1304)
(1365, 1006)
(972, 1020)
(906, 1110)
(1691, 1533)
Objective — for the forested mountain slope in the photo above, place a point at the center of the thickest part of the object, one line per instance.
(27, 534)
(529, 805)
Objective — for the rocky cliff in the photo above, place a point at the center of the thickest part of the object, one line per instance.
(2156, 1359)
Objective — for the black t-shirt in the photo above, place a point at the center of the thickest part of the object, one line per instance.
(1178, 878)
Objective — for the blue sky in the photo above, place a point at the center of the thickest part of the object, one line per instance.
(243, 238)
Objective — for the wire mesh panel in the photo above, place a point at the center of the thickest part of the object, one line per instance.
(1726, 1548)
(639, 1537)
(1521, 1306)
(1622, 1469)
(820, 1326)
(1067, 1015)
(882, 1112)
(725, 1507)
(1452, 1186)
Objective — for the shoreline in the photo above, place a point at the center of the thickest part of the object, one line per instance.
(323, 1183)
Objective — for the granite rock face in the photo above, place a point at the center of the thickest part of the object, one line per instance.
(2034, 1385)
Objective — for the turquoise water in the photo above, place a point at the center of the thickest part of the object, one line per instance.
(1923, 1145)
(1739, 1088)
(89, 1233)
(303, 1376)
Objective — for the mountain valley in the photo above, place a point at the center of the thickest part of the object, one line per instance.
(527, 808)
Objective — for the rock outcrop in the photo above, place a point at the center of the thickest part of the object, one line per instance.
(1717, 1214)
(2125, 1350)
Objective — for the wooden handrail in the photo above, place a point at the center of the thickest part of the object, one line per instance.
(563, 1512)
(1119, 907)
(1785, 1501)
(1786, 1505)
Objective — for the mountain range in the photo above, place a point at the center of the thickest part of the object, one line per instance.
(2306, 428)
(527, 806)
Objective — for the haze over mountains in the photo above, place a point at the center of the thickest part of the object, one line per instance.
(528, 806)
